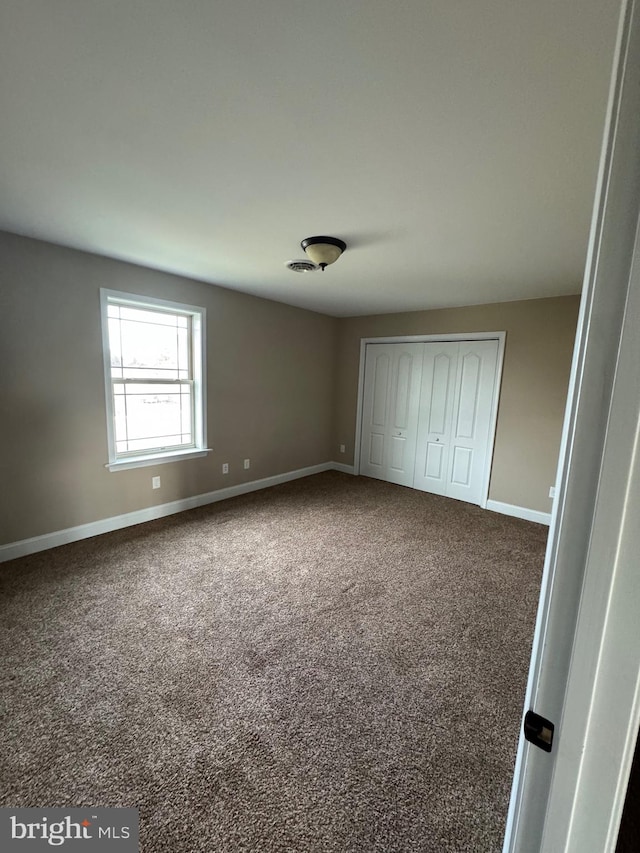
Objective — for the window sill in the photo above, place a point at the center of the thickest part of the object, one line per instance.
(156, 459)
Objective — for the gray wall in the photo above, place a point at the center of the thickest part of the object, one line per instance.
(539, 346)
(270, 389)
(282, 388)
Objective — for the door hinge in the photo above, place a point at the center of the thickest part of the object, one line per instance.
(538, 731)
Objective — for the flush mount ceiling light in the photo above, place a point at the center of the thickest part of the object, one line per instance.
(323, 250)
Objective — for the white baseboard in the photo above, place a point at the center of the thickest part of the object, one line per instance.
(116, 522)
(340, 466)
(520, 512)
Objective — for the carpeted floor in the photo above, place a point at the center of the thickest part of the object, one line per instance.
(335, 664)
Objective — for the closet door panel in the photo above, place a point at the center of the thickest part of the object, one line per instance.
(381, 365)
(376, 450)
(473, 394)
(467, 404)
(390, 411)
(462, 466)
(376, 404)
(434, 424)
(435, 462)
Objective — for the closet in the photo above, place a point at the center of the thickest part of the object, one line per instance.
(428, 415)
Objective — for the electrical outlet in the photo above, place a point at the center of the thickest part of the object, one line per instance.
(552, 492)
(247, 464)
(155, 482)
(225, 467)
(342, 448)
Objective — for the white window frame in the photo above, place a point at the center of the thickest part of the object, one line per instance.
(198, 317)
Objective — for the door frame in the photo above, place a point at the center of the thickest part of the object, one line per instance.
(454, 337)
(585, 669)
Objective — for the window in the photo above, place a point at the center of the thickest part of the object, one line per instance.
(154, 376)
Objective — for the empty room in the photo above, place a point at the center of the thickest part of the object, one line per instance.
(300, 318)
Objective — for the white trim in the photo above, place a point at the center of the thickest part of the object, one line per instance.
(106, 362)
(340, 466)
(603, 688)
(493, 423)
(574, 795)
(358, 436)
(425, 339)
(418, 339)
(23, 547)
(157, 459)
(116, 522)
(13, 550)
(520, 512)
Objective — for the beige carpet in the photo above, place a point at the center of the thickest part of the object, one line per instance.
(335, 664)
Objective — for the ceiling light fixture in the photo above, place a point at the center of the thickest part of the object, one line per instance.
(323, 250)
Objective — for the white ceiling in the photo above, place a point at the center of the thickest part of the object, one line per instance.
(453, 144)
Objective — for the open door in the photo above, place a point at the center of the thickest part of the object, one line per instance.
(585, 666)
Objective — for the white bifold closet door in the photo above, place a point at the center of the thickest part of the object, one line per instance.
(427, 415)
(390, 412)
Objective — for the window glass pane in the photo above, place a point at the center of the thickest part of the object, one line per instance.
(113, 310)
(183, 322)
(147, 345)
(183, 349)
(114, 343)
(141, 315)
(185, 404)
(153, 415)
(154, 443)
(148, 373)
(151, 388)
(120, 417)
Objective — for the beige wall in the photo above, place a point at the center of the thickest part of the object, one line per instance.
(270, 389)
(282, 388)
(539, 345)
